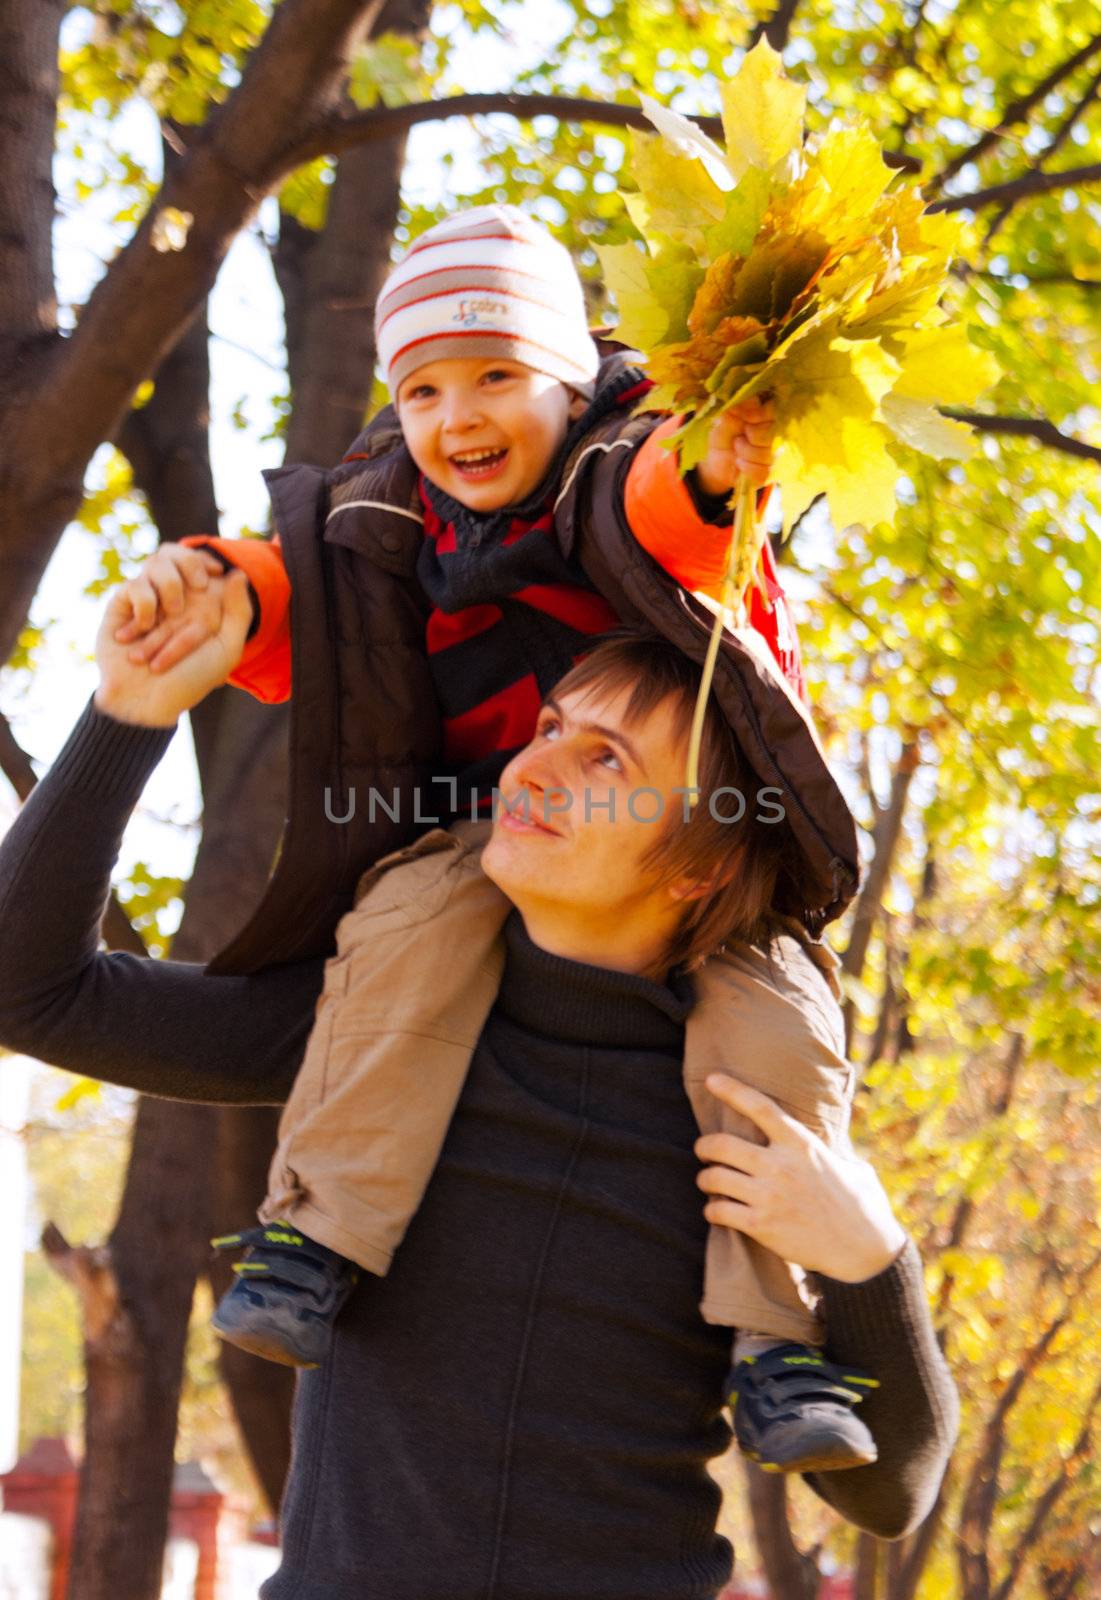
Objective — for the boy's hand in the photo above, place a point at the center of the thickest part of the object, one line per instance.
(130, 691)
(740, 447)
(174, 605)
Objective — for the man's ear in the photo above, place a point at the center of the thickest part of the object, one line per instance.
(578, 405)
(689, 888)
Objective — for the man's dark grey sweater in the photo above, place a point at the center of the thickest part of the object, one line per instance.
(497, 1421)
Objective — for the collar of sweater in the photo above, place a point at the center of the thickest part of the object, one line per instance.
(473, 528)
(574, 1003)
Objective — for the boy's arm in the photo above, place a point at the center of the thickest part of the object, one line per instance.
(264, 669)
(688, 532)
(162, 1027)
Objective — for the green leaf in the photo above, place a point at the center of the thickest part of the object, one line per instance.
(735, 231)
(643, 321)
(386, 69)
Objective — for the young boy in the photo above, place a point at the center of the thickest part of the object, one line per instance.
(501, 397)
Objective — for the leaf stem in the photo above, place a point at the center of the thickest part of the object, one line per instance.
(735, 585)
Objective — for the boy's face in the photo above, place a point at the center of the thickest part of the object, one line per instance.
(582, 806)
(484, 431)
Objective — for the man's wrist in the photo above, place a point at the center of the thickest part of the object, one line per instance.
(883, 1255)
(118, 710)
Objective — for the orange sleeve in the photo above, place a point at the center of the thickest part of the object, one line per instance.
(265, 668)
(665, 522)
(694, 553)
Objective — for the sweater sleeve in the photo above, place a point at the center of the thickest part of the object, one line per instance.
(162, 1027)
(265, 668)
(884, 1326)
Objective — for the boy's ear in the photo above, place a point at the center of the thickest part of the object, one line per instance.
(578, 405)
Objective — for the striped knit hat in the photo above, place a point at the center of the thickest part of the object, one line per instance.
(487, 282)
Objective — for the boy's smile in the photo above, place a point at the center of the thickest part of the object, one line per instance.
(484, 430)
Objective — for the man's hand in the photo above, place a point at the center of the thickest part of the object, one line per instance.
(740, 447)
(176, 604)
(131, 691)
(826, 1212)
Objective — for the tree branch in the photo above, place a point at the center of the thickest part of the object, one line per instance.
(1028, 427)
(342, 132)
(1039, 279)
(1029, 183)
(90, 1271)
(981, 1495)
(1060, 135)
(777, 28)
(1017, 111)
(156, 284)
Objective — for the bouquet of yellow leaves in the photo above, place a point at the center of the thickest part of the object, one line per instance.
(803, 273)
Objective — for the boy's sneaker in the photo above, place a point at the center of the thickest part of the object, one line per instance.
(793, 1411)
(288, 1291)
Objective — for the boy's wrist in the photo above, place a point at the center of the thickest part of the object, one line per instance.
(710, 506)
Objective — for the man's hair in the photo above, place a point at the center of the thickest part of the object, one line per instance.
(741, 861)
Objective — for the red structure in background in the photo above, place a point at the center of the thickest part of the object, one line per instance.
(43, 1483)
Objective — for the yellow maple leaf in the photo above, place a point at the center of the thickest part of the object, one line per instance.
(827, 392)
(941, 364)
(921, 426)
(681, 196)
(763, 113)
(859, 483)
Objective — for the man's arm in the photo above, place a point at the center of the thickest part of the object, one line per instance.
(883, 1326)
(162, 1027)
(827, 1211)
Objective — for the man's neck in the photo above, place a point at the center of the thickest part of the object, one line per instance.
(619, 947)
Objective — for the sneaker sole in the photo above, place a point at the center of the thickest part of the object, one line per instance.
(812, 1463)
(256, 1346)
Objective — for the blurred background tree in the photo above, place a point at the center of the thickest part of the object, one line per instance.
(953, 656)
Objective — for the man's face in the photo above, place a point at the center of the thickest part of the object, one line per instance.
(578, 817)
(483, 431)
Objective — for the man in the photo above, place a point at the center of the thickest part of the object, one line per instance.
(523, 1408)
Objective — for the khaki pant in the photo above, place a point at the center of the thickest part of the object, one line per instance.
(417, 969)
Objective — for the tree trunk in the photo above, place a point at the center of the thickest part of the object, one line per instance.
(136, 1294)
(866, 1568)
(888, 830)
(71, 394)
(330, 282)
(789, 1572)
(137, 1317)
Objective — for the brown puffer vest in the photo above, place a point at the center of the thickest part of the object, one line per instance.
(364, 728)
